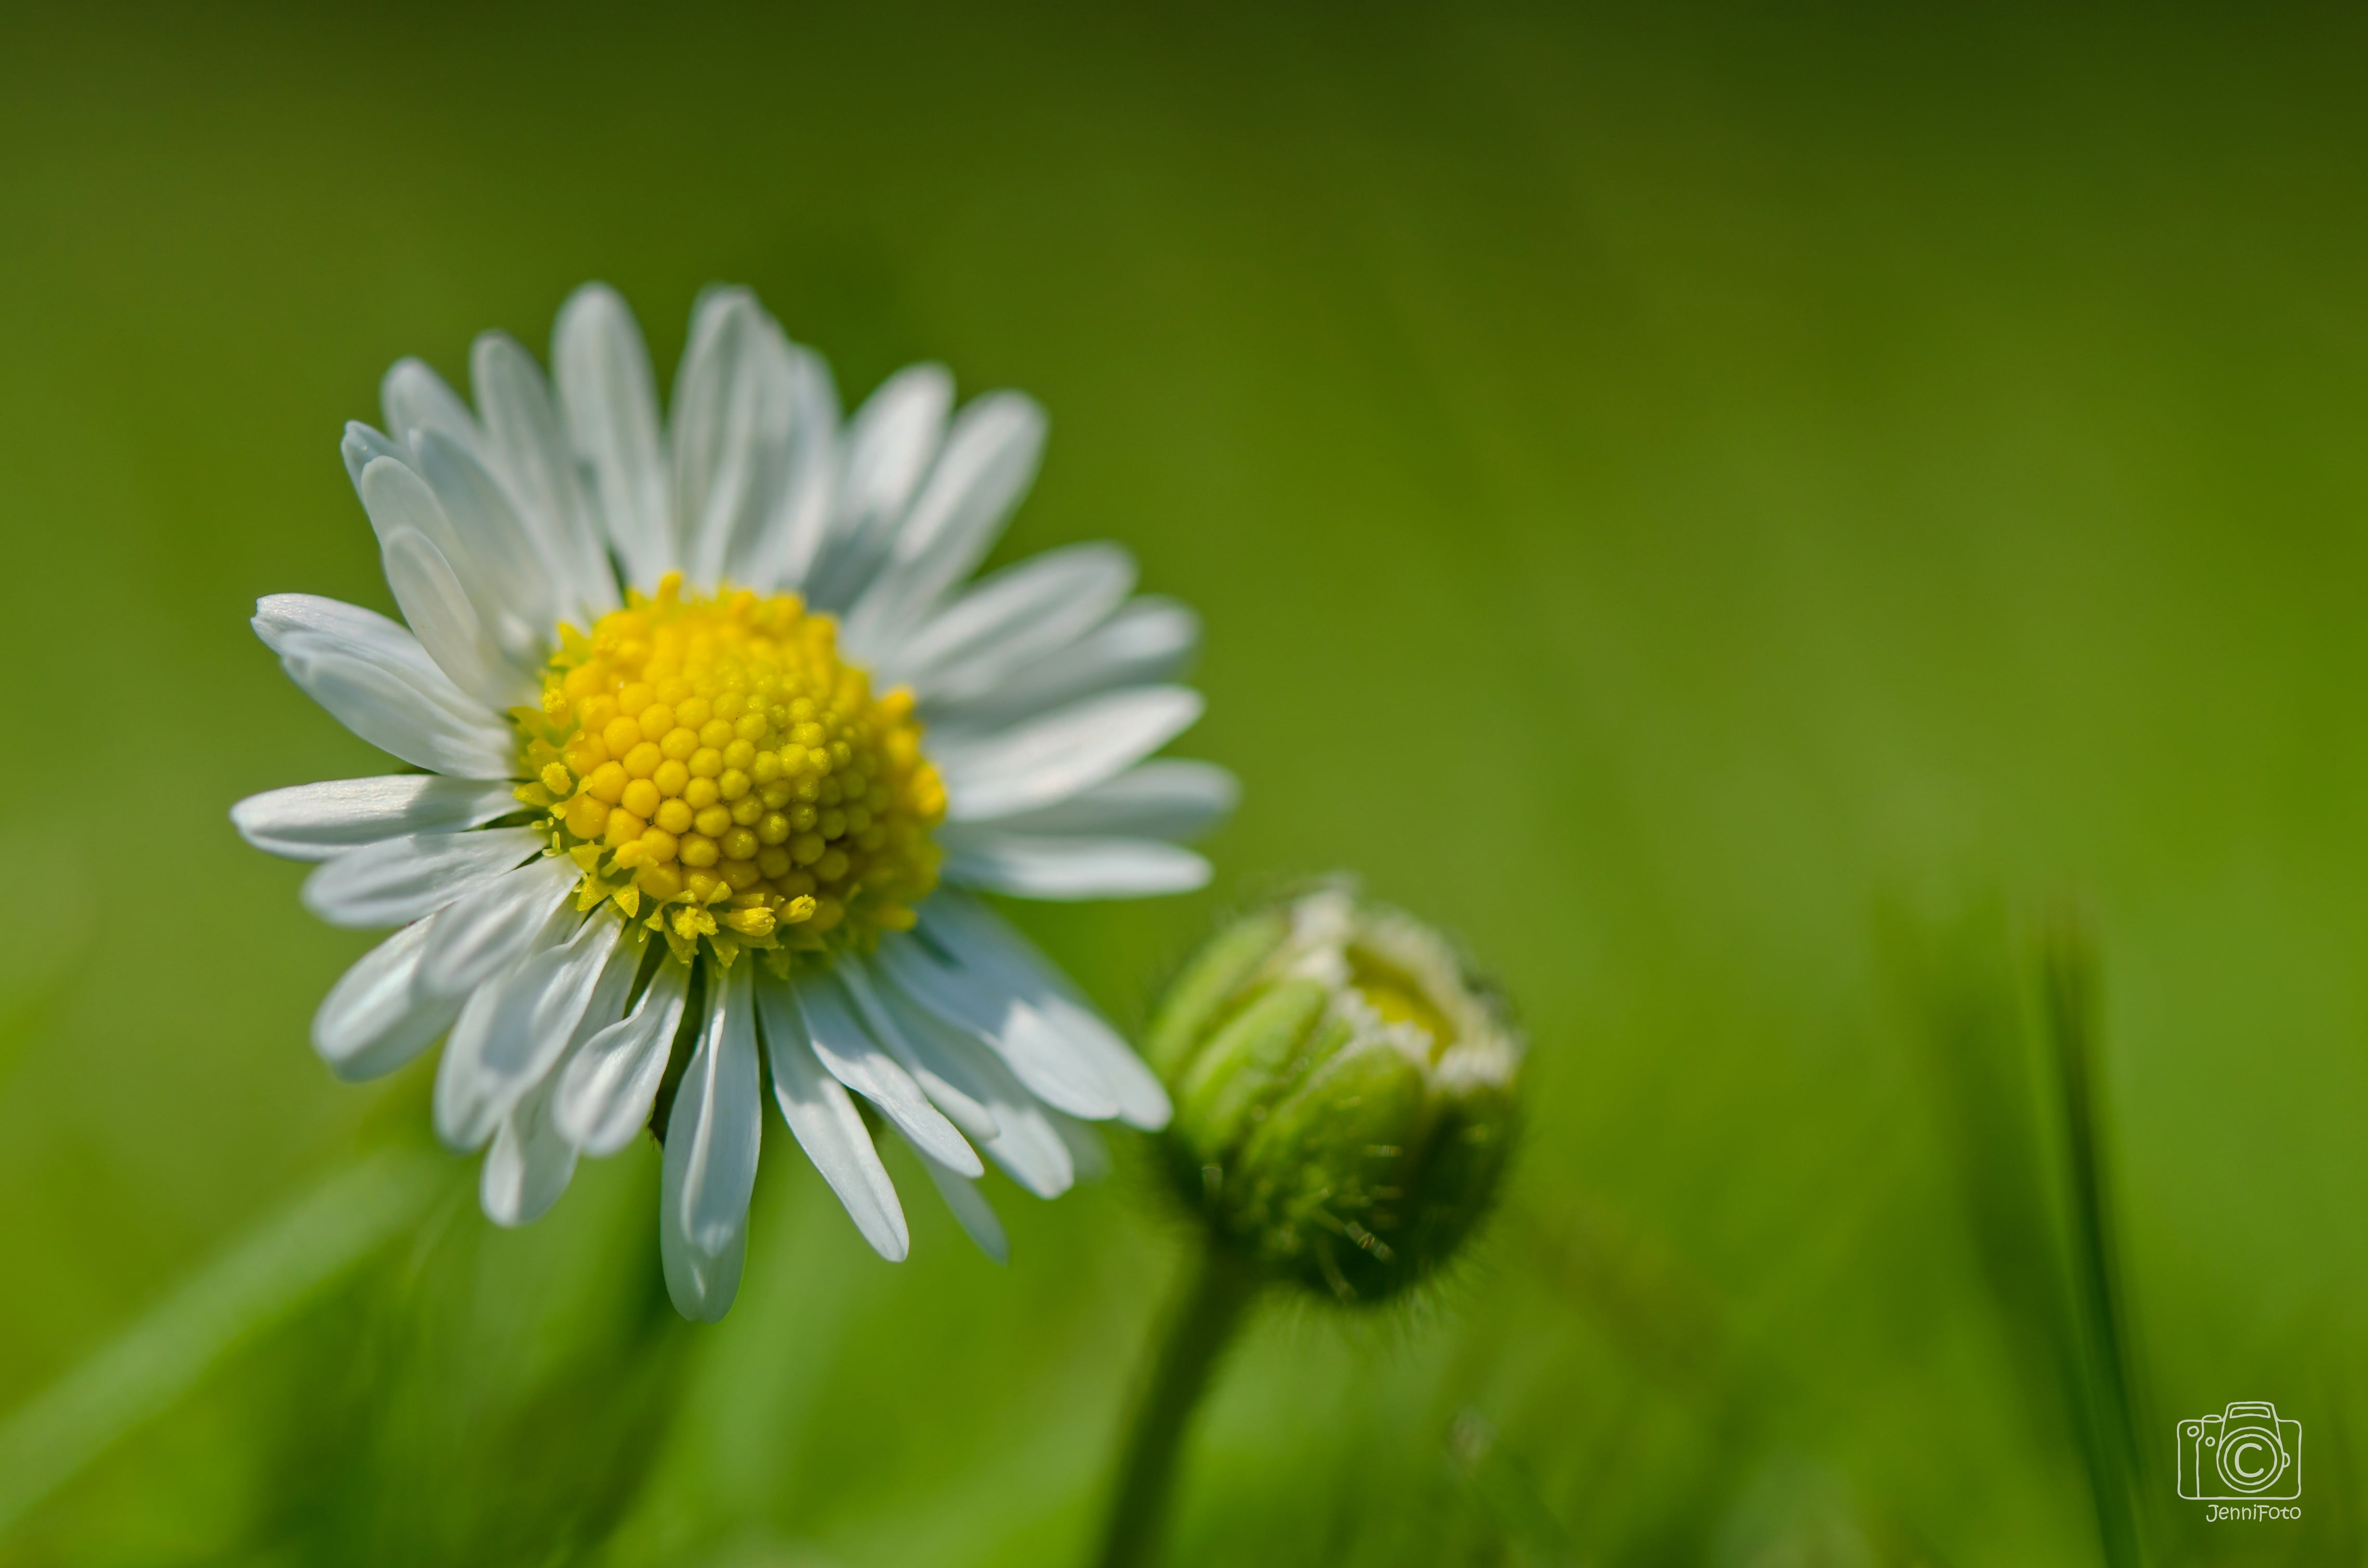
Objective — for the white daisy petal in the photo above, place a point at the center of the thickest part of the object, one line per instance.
(439, 611)
(716, 429)
(607, 400)
(734, 406)
(595, 952)
(313, 822)
(492, 925)
(1052, 758)
(606, 1087)
(280, 618)
(826, 1018)
(957, 1056)
(1009, 621)
(1031, 1152)
(1036, 865)
(307, 622)
(889, 445)
(1170, 798)
(712, 1139)
(1149, 641)
(614, 987)
(782, 466)
(416, 398)
(950, 1093)
(444, 495)
(533, 1157)
(419, 715)
(830, 1129)
(1026, 1144)
(529, 1166)
(1053, 1070)
(1055, 1067)
(989, 459)
(784, 552)
(505, 1042)
(377, 1016)
(515, 589)
(362, 445)
(1088, 1152)
(397, 880)
(971, 1209)
(528, 451)
(982, 942)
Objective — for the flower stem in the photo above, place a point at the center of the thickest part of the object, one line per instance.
(1217, 1295)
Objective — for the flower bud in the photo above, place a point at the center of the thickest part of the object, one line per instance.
(1344, 1093)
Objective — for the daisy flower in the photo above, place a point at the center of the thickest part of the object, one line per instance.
(713, 736)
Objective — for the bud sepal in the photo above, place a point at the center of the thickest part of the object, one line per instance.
(1344, 1093)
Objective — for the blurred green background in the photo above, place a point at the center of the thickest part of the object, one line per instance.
(1737, 511)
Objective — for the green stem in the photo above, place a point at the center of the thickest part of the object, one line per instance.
(1217, 1296)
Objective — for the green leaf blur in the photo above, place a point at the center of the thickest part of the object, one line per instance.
(1737, 512)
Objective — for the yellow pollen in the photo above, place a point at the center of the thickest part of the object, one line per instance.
(717, 771)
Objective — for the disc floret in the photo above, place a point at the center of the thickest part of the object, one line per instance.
(716, 768)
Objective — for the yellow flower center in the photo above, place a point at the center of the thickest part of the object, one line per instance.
(1399, 998)
(717, 759)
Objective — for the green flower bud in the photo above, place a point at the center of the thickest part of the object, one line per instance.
(1344, 1093)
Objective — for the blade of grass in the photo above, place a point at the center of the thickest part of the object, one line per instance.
(2019, 1077)
(265, 1276)
(2108, 1428)
(1507, 1494)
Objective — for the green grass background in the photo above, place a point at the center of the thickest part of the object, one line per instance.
(1733, 509)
